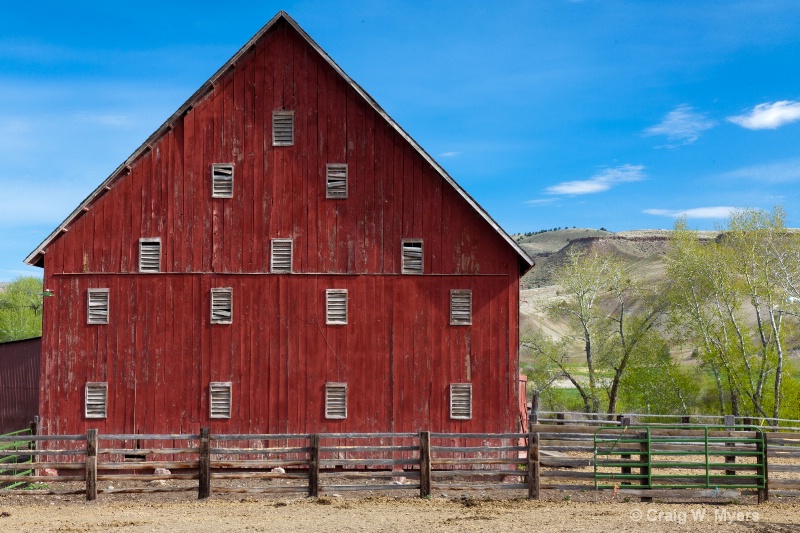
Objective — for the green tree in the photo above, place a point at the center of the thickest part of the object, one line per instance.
(21, 309)
(598, 300)
(726, 303)
(656, 383)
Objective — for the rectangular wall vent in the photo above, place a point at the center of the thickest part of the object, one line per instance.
(412, 256)
(336, 306)
(96, 400)
(336, 180)
(97, 306)
(222, 180)
(150, 255)
(281, 258)
(282, 128)
(461, 401)
(460, 307)
(222, 305)
(336, 401)
(219, 399)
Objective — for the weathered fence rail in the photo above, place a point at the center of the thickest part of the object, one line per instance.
(643, 461)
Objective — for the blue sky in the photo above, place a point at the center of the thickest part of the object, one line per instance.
(551, 113)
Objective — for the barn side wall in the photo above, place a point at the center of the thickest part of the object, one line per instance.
(398, 353)
(20, 363)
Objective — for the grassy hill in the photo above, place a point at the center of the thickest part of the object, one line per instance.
(642, 250)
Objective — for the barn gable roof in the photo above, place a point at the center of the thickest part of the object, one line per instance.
(36, 257)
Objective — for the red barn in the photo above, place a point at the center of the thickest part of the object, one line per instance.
(280, 256)
(20, 368)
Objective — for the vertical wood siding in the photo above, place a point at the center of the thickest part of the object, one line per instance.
(20, 365)
(398, 353)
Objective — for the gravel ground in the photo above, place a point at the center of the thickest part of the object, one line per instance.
(180, 512)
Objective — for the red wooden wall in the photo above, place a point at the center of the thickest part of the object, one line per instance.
(398, 352)
(19, 383)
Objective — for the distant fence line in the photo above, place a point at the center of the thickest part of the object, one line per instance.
(536, 415)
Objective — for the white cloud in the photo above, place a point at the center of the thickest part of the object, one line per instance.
(697, 212)
(600, 182)
(104, 119)
(769, 116)
(540, 201)
(786, 171)
(449, 154)
(682, 125)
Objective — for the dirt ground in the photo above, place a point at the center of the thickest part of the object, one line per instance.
(596, 512)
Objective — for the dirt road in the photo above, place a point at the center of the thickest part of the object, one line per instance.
(71, 514)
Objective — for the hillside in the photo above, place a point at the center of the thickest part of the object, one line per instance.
(642, 250)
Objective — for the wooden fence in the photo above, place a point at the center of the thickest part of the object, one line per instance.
(313, 464)
(557, 456)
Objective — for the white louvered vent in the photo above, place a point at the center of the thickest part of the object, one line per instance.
(97, 306)
(281, 257)
(282, 128)
(219, 404)
(222, 180)
(336, 306)
(412, 256)
(336, 401)
(461, 401)
(150, 255)
(460, 307)
(336, 180)
(222, 305)
(96, 400)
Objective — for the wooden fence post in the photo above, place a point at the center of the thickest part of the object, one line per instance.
(533, 466)
(644, 471)
(32, 444)
(91, 465)
(625, 420)
(424, 464)
(313, 466)
(204, 487)
(763, 494)
(730, 421)
(533, 418)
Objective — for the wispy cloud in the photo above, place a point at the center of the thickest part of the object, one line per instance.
(540, 201)
(682, 125)
(104, 119)
(697, 212)
(786, 171)
(602, 181)
(769, 116)
(449, 154)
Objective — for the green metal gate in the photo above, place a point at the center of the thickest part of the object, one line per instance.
(13, 460)
(677, 457)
